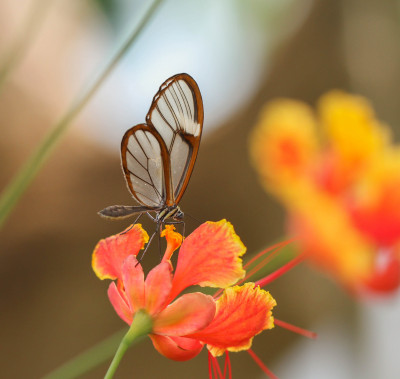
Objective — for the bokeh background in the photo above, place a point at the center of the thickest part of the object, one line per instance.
(242, 54)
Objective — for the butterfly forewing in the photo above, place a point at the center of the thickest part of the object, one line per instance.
(177, 115)
(181, 155)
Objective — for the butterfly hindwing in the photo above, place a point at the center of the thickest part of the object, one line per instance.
(145, 162)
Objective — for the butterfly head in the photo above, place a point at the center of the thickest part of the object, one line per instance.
(178, 216)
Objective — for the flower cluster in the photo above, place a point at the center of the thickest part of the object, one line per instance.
(181, 326)
(338, 175)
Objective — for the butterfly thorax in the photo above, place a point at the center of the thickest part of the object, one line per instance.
(173, 212)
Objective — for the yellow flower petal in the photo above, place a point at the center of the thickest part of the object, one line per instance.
(283, 144)
(351, 127)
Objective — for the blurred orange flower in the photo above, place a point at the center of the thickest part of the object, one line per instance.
(210, 256)
(338, 175)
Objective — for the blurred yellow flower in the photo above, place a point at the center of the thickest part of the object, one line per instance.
(284, 143)
(338, 175)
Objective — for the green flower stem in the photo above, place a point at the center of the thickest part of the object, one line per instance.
(27, 173)
(141, 326)
(104, 350)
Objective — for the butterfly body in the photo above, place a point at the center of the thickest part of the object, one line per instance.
(173, 212)
(158, 157)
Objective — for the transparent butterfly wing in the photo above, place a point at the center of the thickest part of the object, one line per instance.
(177, 115)
(143, 156)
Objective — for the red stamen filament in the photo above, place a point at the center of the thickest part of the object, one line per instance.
(280, 271)
(213, 374)
(262, 365)
(262, 264)
(295, 329)
(277, 246)
(215, 366)
(227, 365)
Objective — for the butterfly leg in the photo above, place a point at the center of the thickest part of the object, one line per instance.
(148, 245)
(133, 224)
(159, 238)
(194, 218)
(151, 217)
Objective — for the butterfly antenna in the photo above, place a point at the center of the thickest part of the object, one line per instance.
(133, 224)
(194, 218)
(183, 231)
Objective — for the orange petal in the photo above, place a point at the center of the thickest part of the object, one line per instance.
(350, 257)
(176, 348)
(242, 313)
(157, 287)
(188, 314)
(133, 280)
(174, 240)
(110, 253)
(119, 304)
(210, 256)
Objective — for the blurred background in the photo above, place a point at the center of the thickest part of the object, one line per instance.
(241, 54)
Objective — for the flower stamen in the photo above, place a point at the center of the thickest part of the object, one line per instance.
(280, 271)
(266, 260)
(295, 329)
(213, 362)
(272, 250)
(261, 364)
(227, 366)
(277, 246)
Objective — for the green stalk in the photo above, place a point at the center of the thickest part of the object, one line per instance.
(27, 173)
(94, 356)
(141, 326)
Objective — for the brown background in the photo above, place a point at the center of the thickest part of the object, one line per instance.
(53, 306)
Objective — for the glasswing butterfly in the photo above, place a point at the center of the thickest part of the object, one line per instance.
(158, 157)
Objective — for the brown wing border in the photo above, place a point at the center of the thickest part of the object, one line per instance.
(192, 141)
(164, 156)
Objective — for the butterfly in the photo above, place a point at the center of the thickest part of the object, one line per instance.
(158, 157)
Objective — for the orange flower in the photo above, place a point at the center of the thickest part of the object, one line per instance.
(340, 187)
(210, 256)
